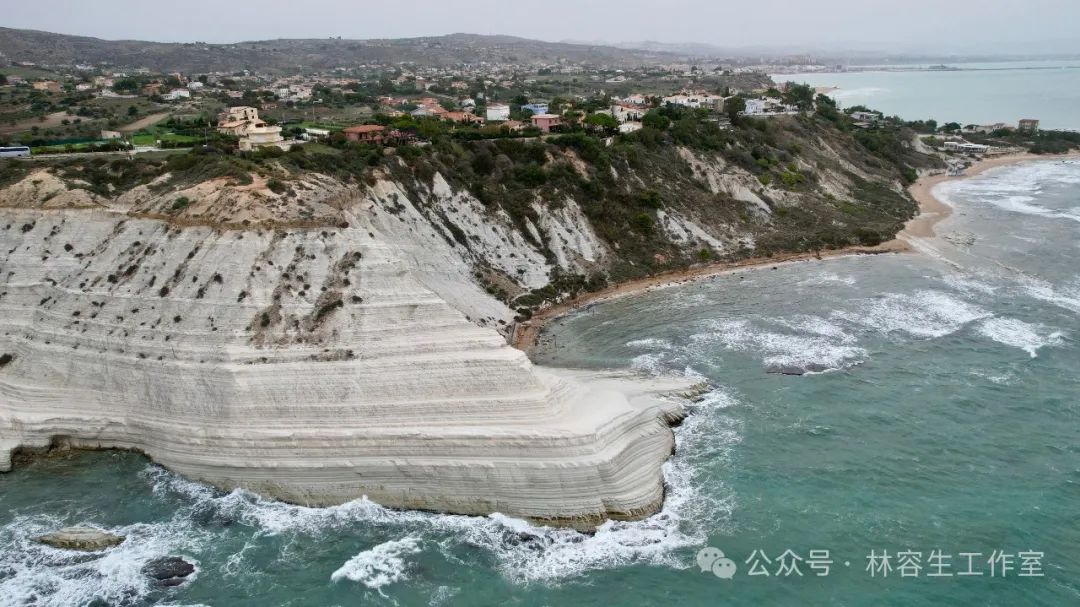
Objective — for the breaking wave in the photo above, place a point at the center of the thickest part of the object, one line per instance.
(817, 346)
(1064, 296)
(923, 314)
(384, 564)
(1019, 334)
(1018, 188)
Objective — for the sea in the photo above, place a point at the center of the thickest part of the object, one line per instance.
(931, 456)
(972, 93)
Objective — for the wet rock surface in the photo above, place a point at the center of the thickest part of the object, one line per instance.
(80, 538)
(168, 570)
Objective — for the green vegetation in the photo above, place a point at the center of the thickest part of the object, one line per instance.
(621, 182)
(1042, 142)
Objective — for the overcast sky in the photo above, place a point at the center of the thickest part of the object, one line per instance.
(937, 25)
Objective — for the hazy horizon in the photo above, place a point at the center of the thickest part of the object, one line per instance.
(918, 26)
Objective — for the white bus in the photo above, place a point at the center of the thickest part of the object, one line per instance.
(14, 152)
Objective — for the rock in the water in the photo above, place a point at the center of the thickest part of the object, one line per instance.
(958, 238)
(168, 570)
(80, 538)
(797, 369)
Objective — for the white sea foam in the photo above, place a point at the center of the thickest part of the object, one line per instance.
(382, 565)
(523, 552)
(819, 345)
(34, 574)
(1019, 334)
(1016, 188)
(1001, 380)
(1065, 296)
(651, 343)
(443, 595)
(653, 363)
(968, 284)
(827, 278)
(922, 314)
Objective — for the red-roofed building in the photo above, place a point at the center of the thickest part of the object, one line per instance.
(369, 133)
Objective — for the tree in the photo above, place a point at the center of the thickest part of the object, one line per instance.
(799, 95)
(951, 127)
(605, 122)
(3, 79)
(733, 106)
(126, 85)
(133, 111)
(654, 119)
(826, 108)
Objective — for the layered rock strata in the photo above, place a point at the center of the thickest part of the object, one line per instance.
(314, 365)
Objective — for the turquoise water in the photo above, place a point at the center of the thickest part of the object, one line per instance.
(948, 421)
(982, 93)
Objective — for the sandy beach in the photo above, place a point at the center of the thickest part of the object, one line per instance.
(932, 211)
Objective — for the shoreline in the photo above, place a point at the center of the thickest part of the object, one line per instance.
(932, 211)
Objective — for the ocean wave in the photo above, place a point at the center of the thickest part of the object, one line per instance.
(1016, 188)
(650, 343)
(827, 278)
(968, 285)
(826, 347)
(1064, 296)
(382, 565)
(1019, 334)
(653, 363)
(922, 314)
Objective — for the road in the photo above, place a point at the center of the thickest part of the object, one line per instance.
(139, 149)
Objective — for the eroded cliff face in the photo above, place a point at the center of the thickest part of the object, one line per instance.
(312, 363)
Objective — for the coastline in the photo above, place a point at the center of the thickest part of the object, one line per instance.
(932, 211)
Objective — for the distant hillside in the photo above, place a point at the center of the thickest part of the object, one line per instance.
(58, 49)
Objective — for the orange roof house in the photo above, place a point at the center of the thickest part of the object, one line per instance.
(365, 133)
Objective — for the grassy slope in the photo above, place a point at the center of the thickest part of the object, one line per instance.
(827, 188)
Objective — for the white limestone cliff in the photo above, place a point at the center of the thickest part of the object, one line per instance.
(312, 364)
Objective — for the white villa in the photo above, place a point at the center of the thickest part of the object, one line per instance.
(244, 122)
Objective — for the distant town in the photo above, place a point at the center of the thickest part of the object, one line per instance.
(83, 108)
